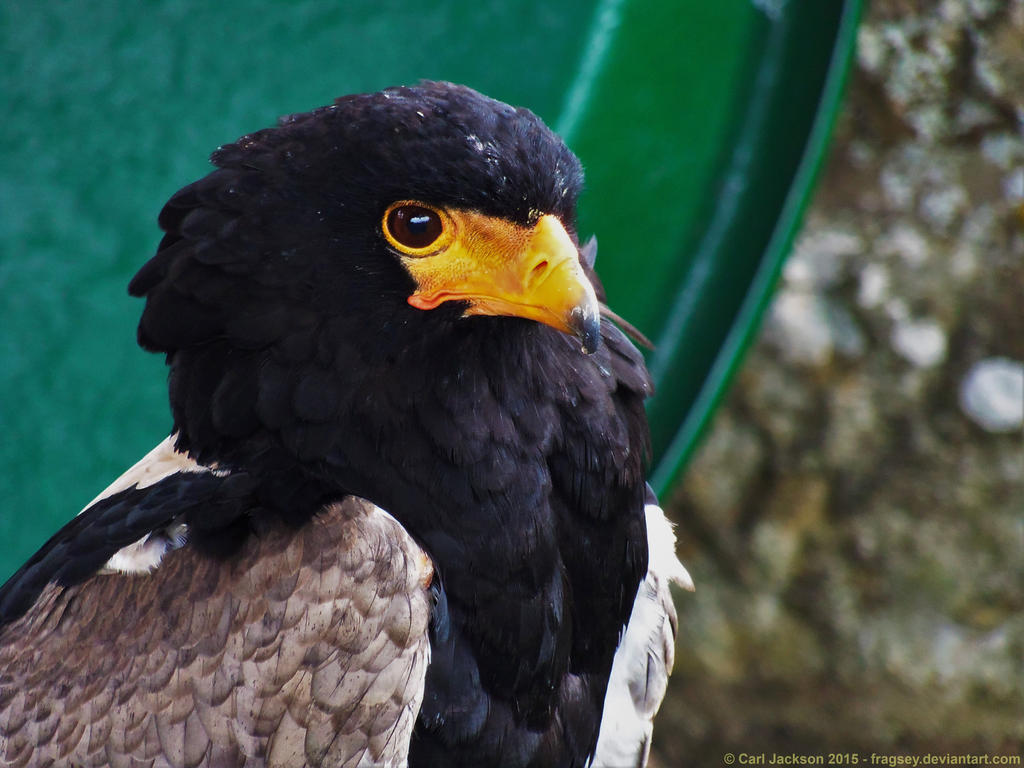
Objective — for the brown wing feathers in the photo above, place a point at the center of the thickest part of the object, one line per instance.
(309, 647)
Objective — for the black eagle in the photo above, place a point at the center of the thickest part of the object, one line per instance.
(402, 517)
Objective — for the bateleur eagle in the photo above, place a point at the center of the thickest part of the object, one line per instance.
(402, 517)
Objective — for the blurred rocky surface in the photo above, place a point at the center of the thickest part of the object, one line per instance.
(854, 520)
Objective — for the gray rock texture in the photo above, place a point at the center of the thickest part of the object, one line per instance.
(854, 520)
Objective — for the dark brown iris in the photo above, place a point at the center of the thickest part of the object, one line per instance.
(414, 226)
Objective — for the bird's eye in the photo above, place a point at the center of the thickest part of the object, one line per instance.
(413, 227)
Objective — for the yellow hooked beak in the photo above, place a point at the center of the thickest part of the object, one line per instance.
(501, 268)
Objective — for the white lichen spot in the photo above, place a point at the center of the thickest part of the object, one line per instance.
(992, 394)
(982, 9)
(986, 72)
(897, 188)
(873, 287)
(906, 243)
(980, 225)
(819, 256)
(952, 12)
(1002, 149)
(963, 264)
(929, 121)
(796, 325)
(896, 309)
(943, 206)
(920, 342)
(973, 115)
(808, 327)
(846, 335)
(871, 49)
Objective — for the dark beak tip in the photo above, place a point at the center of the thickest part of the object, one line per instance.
(586, 325)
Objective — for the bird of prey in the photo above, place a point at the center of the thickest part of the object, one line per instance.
(402, 517)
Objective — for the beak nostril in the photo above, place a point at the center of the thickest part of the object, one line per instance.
(539, 269)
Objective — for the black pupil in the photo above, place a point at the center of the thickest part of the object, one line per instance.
(414, 226)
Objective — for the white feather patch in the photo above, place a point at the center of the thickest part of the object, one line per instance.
(661, 543)
(645, 655)
(144, 555)
(159, 463)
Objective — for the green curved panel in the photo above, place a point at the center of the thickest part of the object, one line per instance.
(794, 87)
(111, 106)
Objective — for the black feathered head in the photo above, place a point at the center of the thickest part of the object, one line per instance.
(382, 222)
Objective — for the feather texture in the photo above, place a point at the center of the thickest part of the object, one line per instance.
(644, 658)
(307, 648)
